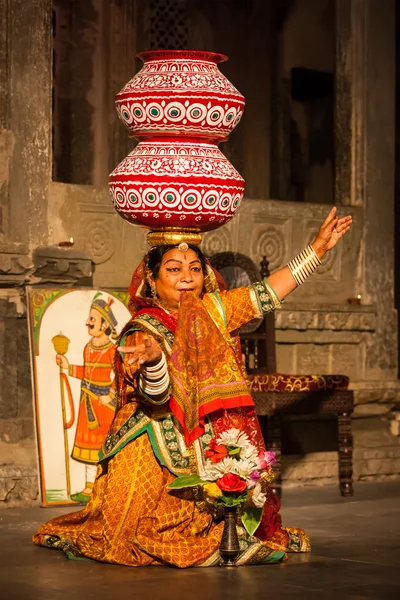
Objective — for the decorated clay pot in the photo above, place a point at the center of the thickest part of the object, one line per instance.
(176, 184)
(179, 106)
(180, 92)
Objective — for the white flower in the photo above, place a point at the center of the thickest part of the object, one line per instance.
(234, 437)
(238, 439)
(258, 497)
(213, 471)
(244, 468)
(249, 453)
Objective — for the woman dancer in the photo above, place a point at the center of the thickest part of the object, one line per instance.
(181, 383)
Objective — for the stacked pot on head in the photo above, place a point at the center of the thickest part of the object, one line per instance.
(177, 182)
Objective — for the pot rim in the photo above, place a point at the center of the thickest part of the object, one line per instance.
(153, 55)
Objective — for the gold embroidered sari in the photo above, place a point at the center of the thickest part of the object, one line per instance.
(131, 518)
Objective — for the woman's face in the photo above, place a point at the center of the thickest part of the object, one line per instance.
(180, 272)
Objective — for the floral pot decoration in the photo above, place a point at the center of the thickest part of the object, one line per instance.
(235, 477)
(177, 182)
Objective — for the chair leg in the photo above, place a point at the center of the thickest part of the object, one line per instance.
(345, 454)
(274, 444)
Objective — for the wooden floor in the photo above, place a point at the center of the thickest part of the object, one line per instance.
(356, 555)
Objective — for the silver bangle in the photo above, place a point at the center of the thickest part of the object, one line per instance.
(304, 264)
(154, 388)
(157, 371)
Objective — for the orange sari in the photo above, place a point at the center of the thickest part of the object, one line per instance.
(131, 518)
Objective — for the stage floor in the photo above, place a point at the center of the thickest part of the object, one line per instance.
(356, 555)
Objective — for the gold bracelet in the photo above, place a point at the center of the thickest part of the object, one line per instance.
(304, 264)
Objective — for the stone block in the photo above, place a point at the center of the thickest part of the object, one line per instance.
(309, 467)
(372, 410)
(13, 431)
(376, 467)
(23, 452)
(313, 359)
(346, 360)
(18, 486)
(384, 396)
(15, 264)
(285, 358)
(61, 265)
(371, 434)
(15, 379)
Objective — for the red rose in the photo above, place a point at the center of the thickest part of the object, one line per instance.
(216, 452)
(231, 482)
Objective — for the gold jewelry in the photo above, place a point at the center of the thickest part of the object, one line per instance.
(304, 264)
(183, 247)
(173, 237)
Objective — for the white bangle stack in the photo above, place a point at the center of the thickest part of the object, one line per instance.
(154, 381)
(304, 264)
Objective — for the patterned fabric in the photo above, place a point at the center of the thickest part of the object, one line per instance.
(266, 297)
(203, 381)
(278, 382)
(131, 518)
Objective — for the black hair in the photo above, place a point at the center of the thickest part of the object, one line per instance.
(156, 254)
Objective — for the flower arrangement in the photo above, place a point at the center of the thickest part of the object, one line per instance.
(235, 474)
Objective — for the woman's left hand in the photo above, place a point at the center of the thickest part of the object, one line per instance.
(330, 232)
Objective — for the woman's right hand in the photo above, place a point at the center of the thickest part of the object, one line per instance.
(62, 361)
(147, 353)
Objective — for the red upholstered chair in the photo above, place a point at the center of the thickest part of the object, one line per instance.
(277, 395)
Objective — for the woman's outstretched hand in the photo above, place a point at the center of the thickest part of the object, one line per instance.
(330, 232)
(147, 353)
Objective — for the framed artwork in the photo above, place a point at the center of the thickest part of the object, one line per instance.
(72, 336)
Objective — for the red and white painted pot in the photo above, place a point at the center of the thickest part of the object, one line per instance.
(176, 183)
(179, 106)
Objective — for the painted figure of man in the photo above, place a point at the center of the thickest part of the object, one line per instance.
(97, 400)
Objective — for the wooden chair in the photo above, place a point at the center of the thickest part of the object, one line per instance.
(278, 395)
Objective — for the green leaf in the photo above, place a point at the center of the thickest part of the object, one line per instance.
(184, 481)
(251, 518)
(233, 450)
(231, 499)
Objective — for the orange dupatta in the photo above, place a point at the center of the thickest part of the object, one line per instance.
(205, 374)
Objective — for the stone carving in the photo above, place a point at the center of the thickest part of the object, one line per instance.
(367, 322)
(97, 237)
(270, 243)
(60, 265)
(15, 264)
(217, 241)
(300, 320)
(345, 319)
(337, 321)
